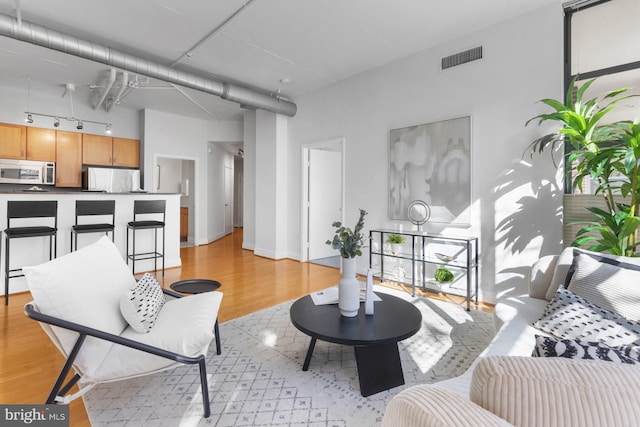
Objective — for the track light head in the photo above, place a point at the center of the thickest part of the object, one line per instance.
(56, 122)
(79, 126)
(29, 118)
(107, 129)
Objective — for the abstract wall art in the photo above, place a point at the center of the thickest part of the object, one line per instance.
(432, 162)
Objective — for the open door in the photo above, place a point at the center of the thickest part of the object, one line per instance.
(228, 196)
(324, 197)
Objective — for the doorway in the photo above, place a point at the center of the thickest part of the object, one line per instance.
(323, 199)
(177, 175)
(228, 197)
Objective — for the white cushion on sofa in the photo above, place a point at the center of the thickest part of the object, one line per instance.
(566, 259)
(190, 336)
(612, 287)
(515, 337)
(83, 287)
(530, 391)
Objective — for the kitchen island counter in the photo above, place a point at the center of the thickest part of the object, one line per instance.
(32, 251)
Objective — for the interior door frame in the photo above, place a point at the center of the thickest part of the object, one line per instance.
(304, 205)
(193, 190)
(228, 181)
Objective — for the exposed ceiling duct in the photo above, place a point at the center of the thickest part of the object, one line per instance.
(61, 42)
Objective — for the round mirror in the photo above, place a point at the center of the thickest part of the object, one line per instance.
(418, 213)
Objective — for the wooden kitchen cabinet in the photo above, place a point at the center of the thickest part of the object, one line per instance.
(13, 141)
(126, 152)
(68, 159)
(97, 150)
(102, 150)
(41, 144)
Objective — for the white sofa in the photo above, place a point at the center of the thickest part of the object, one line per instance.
(506, 386)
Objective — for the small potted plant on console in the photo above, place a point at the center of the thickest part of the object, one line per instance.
(396, 241)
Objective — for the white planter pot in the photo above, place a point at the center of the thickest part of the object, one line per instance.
(348, 289)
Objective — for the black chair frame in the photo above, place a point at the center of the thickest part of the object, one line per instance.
(60, 389)
(24, 210)
(93, 208)
(146, 207)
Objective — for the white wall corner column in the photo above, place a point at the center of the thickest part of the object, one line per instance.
(271, 185)
(249, 191)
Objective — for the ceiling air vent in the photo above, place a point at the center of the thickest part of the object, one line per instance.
(461, 58)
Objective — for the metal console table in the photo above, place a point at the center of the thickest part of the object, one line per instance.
(415, 261)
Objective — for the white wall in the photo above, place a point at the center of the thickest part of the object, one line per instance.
(515, 208)
(271, 197)
(249, 204)
(170, 171)
(170, 135)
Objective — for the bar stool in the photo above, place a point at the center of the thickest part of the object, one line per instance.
(93, 208)
(146, 208)
(18, 210)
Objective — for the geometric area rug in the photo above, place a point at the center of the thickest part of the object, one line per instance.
(258, 378)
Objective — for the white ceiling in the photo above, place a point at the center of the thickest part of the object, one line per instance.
(310, 43)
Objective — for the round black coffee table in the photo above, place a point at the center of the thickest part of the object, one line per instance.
(375, 338)
(198, 286)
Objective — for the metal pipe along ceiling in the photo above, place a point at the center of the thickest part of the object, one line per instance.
(51, 39)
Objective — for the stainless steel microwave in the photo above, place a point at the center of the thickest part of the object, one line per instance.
(27, 172)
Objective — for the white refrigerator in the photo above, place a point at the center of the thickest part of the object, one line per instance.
(113, 180)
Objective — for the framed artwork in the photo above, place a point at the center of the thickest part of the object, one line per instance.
(432, 162)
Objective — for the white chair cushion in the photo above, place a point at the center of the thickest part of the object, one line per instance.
(141, 305)
(83, 287)
(184, 326)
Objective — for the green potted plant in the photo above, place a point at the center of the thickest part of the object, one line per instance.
(443, 275)
(607, 153)
(396, 241)
(349, 242)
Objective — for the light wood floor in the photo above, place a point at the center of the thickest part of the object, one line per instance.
(29, 362)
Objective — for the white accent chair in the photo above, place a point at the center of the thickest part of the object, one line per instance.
(77, 302)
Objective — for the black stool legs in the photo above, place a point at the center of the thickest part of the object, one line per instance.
(20, 210)
(145, 208)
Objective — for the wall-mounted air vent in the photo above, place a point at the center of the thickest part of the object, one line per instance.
(461, 58)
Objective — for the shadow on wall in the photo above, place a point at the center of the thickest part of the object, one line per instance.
(538, 212)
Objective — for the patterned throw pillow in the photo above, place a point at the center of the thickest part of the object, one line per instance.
(587, 350)
(571, 317)
(141, 304)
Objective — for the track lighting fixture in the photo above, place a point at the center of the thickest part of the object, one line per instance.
(79, 122)
(69, 88)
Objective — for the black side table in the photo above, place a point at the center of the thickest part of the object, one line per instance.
(375, 338)
(198, 286)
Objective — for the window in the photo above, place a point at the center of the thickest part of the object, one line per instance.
(602, 41)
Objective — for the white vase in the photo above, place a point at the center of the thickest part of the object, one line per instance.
(348, 289)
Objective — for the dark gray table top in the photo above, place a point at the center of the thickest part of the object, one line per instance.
(394, 320)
